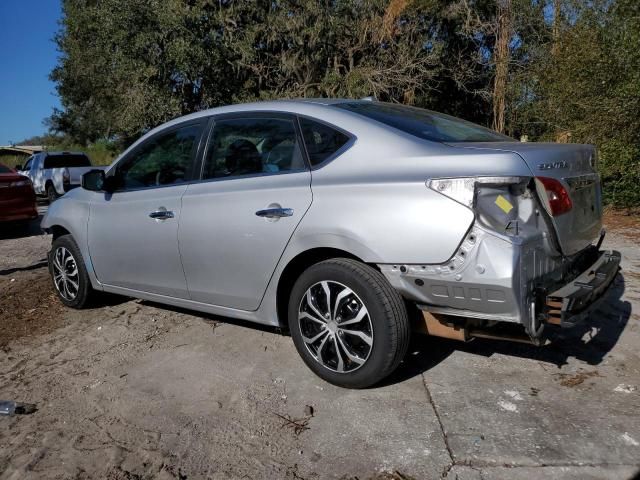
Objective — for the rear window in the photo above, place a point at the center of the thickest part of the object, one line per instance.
(321, 140)
(67, 160)
(4, 169)
(424, 124)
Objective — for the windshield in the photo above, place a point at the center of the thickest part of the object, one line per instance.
(424, 124)
(66, 160)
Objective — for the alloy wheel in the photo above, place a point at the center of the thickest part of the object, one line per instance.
(65, 274)
(336, 327)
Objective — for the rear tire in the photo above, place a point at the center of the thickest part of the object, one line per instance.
(69, 274)
(52, 195)
(348, 324)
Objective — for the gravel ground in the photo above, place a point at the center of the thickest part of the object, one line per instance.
(135, 390)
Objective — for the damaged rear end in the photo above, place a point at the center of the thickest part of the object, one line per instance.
(532, 257)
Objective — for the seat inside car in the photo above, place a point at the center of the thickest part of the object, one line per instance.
(242, 157)
(285, 155)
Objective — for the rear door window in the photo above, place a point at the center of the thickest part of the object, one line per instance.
(252, 146)
(322, 141)
(66, 161)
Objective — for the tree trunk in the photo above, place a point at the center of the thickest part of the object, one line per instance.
(391, 15)
(556, 27)
(502, 56)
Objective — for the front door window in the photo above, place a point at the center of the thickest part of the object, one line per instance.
(164, 160)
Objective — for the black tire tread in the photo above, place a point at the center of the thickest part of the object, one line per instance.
(393, 304)
(392, 307)
(87, 296)
(51, 197)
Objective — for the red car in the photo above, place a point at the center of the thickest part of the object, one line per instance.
(17, 198)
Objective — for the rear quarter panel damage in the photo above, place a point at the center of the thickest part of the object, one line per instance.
(385, 222)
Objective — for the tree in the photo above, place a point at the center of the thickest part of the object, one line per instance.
(589, 91)
(128, 65)
(547, 69)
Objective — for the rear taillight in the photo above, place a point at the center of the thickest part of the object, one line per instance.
(464, 189)
(495, 200)
(557, 199)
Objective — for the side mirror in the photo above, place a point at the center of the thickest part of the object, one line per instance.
(18, 168)
(94, 181)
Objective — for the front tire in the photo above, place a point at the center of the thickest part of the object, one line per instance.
(69, 274)
(348, 324)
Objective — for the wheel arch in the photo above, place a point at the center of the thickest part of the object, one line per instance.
(294, 269)
(58, 231)
(68, 217)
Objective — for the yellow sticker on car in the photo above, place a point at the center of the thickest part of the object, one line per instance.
(504, 204)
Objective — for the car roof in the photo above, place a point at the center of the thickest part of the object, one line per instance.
(321, 109)
(330, 101)
(302, 106)
(295, 105)
(51, 154)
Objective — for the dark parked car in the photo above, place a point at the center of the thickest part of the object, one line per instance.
(17, 198)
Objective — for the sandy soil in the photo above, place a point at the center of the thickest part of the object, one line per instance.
(133, 390)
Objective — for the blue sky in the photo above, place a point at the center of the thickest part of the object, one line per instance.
(27, 55)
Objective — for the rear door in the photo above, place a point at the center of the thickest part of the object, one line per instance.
(238, 219)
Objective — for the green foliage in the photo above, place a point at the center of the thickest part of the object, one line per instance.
(129, 65)
(589, 92)
(11, 160)
(620, 171)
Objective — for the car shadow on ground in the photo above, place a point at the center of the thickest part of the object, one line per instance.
(589, 342)
(217, 319)
(39, 264)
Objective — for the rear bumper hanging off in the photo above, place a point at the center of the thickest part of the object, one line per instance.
(574, 301)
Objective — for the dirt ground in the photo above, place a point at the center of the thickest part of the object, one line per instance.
(135, 390)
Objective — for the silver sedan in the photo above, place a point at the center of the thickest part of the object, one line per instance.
(351, 223)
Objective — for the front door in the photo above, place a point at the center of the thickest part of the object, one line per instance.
(133, 233)
(237, 221)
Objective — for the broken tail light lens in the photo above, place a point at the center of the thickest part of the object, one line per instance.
(557, 200)
(464, 189)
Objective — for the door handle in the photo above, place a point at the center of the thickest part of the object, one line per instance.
(161, 214)
(275, 212)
